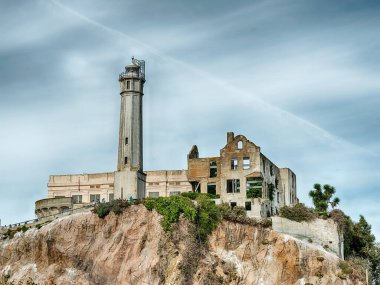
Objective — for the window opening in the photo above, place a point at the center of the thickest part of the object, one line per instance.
(154, 194)
(233, 185)
(246, 163)
(213, 169)
(77, 199)
(211, 188)
(254, 187)
(126, 140)
(128, 84)
(240, 145)
(94, 198)
(233, 205)
(234, 163)
(248, 206)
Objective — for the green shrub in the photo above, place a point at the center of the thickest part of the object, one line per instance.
(117, 206)
(254, 193)
(195, 195)
(298, 213)
(171, 208)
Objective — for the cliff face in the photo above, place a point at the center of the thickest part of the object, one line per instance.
(133, 249)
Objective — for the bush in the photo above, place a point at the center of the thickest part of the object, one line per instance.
(195, 195)
(254, 193)
(205, 215)
(117, 206)
(298, 213)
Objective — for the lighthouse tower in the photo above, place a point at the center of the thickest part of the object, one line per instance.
(129, 177)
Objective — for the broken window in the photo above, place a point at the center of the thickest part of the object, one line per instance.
(246, 162)
(240, 145)
(128, 84)
(248, 206)
(213, 169)
(154, 194)
(125, 160)
(94, 198)
(234, 163)
(233, 185)
(77, 199)
(254, 187)
(211, 188)
(126, 140)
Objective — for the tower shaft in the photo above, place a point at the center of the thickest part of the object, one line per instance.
(129, 177)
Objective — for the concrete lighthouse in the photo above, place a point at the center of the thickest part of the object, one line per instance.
(129, 177)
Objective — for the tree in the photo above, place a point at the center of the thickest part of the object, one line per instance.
(322, 199)
(363, 240)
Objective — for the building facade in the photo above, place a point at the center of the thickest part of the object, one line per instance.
(240, 176)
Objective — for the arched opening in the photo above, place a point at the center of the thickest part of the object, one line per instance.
(240, 145)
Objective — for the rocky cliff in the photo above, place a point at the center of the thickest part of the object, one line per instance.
(132, 248)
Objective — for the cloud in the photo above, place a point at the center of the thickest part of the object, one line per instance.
(288, 77)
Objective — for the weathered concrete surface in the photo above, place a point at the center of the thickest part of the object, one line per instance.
(323, 233)
(133, 249)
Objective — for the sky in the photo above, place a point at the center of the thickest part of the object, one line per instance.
(298, 78)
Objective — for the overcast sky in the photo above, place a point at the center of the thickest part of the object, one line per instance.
(298, 78)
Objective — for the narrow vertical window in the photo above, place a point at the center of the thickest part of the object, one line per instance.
(248, 206)
(126, 140)
(246, 162)
(128, 84)
(211, 188)
(234, 163)
(240, 145)
(213, 169)
(125, 160)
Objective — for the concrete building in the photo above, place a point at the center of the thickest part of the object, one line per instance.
(243, 176)
(240, 176)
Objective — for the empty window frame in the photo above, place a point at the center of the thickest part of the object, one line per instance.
(94, 198)
(77, 199)
(126, 140)
(154, 194)
(254, 187)
(213, 169)
(248, 206)
(233, 185)
(240, 145)
(211, 188)
(234, 163)
(128, 84)
(111, 197)
(125, 160)
(246, 163)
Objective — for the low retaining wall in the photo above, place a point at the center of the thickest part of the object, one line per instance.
(319, 232)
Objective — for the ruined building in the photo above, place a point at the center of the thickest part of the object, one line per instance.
(240, 176)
